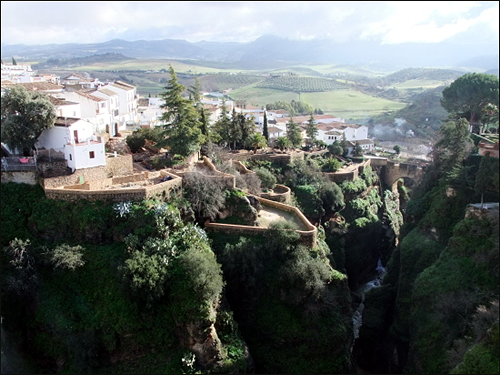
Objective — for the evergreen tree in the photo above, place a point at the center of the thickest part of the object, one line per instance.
(311, 130)
(265, 130)
(345, 145)
(182, 134)
(14, 62)
(293, 133)
(222, 127)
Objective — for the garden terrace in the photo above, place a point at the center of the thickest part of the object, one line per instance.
(271, 212)
(133, 187)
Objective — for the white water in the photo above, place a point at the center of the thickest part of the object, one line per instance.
(357, 318)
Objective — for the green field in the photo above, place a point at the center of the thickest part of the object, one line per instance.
(418, 84)
(342, 103)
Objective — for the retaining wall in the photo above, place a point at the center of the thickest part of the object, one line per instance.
(162, 190)
(20, 177)
(308, 237)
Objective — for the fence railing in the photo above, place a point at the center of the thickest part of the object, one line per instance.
(10, 164)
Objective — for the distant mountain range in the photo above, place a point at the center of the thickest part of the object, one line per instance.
(269, 52)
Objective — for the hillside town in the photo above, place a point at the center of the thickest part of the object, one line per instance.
(90, 113)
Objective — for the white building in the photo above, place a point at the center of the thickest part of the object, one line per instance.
(93, 109)
(76, 139)
(127, 106)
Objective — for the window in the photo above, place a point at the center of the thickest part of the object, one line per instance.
(70, 157)
(92, 154)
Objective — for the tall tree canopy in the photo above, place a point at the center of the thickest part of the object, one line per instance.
(293, 133)
(25, 115)
(265, 130)
(182, 133)
(312, 129)
(470, 95)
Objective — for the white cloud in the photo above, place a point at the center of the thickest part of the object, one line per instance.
(389, 22)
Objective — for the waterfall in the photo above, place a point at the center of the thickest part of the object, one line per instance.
(357, 318)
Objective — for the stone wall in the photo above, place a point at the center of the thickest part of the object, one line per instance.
(308, 237)
(20, 177)
(163, 190)
(281, 193)
(80, 176)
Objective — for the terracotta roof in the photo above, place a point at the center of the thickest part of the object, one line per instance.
(74, 75)
(59, 102)
(90, 96)
(107, 91)
(41, 86)
(274, 129)
(122, 85)
(365, 141)
(65, 121)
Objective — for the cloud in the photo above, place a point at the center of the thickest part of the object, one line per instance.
(387, 22)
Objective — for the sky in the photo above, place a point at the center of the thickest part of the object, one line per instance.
(386, 22)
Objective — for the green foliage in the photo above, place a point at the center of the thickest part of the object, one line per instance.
(336, 149)
(331, 165)
(293, 133)
(353, 187)
(205, 195)
(25, 115)
(266, 177)
(285, 291)
(16, 207)
(66, 256)
(470, 94)
(182, 133)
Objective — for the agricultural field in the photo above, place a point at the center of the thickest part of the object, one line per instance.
(301, 84)
(345, 103)
(325, 87)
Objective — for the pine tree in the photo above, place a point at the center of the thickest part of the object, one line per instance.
(14, 62)
(182, 134)
(311, 130)
(265, 131)
(293, 133)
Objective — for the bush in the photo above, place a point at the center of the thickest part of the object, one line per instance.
(266, 177)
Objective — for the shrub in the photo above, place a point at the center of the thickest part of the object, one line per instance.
(266, 177)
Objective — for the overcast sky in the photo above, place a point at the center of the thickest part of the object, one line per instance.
(45, 22)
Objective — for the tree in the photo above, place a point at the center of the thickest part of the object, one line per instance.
(293, 133)
(485, 176)
(222, 126)
(182, 134)
(453, 147)
(195, 96)
(344, 144)
(25, 115)
(358, 150)
(257, 141)
(335, 149)
(265, 130)
(282, 143)
(397, 148)
(311, 130)
(469, 96)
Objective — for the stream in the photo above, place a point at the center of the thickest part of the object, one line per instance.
(357, 318)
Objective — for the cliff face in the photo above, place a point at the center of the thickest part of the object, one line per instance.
(143, 293)
(436, 311)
